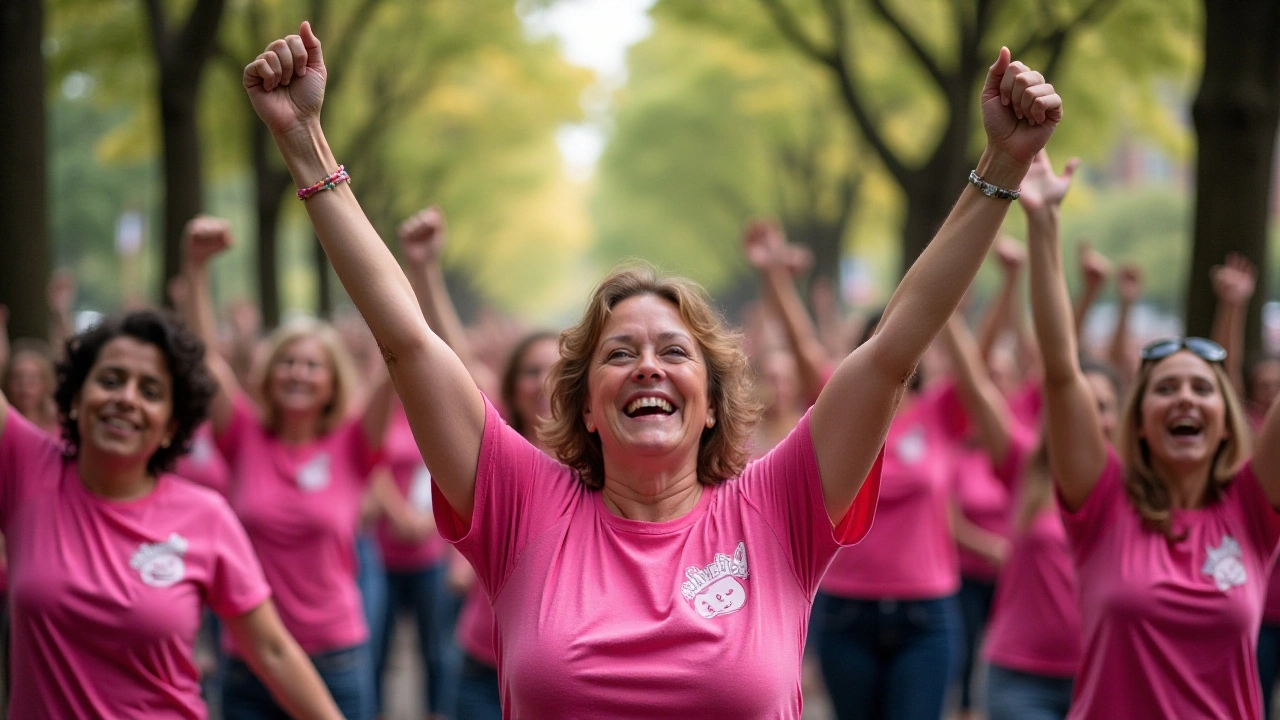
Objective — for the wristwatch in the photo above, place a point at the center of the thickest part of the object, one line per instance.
(993, 191)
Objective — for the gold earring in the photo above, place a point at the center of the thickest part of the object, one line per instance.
(164, 443)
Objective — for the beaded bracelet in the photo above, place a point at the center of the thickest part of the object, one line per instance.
(329, 183)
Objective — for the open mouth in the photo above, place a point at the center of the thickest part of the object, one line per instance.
(1186, 428)
(645, 406)
(119, 425)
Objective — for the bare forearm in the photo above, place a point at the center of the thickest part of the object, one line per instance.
(1086, 300)
(937, 280)
(998, 317)
(294, 683)
(982, 400)
(1228, 331)
(808, 350)
(1050, 302)
(1118, 353)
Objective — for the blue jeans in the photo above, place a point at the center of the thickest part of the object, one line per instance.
(345, 672)
(478, 695)
(1015, 695)
(889, 659)
(422, 593)
(975, 607)
(1268, 663)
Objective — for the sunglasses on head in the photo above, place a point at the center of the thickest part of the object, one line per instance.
(1206, 350)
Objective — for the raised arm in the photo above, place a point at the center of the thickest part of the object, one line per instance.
(1128, 290)
(422, 241)
(1233, 284)
(1077, 449)
(62, 298)
(1095, 269)
(982, 400)
(1000, 315)
(203, 239)
(766, 249)
(286, 86)
(852, 415)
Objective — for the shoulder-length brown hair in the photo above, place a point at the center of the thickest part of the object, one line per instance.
(1148, 492)
(723, 450)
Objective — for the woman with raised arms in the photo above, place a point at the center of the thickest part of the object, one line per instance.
(650, 571)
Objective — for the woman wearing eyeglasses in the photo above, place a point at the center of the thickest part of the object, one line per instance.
(1171, 530)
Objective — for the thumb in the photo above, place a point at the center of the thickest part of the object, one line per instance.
(312, 45)
(991, 88)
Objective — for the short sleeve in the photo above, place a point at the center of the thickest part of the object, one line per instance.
(243, 417)
(1261, 518)
(1107, 496)
(520, 492)
(28, 457)
(785, 486)
(237, 584)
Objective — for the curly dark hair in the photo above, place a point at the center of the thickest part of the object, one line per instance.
(193, 385)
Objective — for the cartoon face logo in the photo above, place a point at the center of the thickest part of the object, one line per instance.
(1224, 564)
(314, 476)
(721, 597)
(162, 570)
(911, 447)
(420, 490)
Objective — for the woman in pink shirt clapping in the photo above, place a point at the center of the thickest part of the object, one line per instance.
(649, 571)
(1173, 530)
(112, 557)
(300, 466)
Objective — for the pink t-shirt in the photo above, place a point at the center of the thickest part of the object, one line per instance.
(1170, 628)
(106, 595)
(401, 455)
(984, 500)
(598, 616)
(475, 627)
(300, 505)
(204, 465)
(1035, 622)
(910, 553)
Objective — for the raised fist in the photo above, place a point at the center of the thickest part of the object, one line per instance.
(1010, 254)
(286, 82)
(764, 244)
(204, 237)
(1019, 109)
(1094, 266)
(422, 237)
(1129, 283)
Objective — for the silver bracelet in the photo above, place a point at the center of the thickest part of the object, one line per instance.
(992, 191)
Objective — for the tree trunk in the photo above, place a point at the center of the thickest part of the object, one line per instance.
(183, 188)
(24, 253)
(1235, 114)
(930, 197)
(270, 184)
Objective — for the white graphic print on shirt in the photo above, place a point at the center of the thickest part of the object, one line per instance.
(314, 476)
(160, 564)
(1223, 564)
(420, 490)
(714, 590)
(911, 446)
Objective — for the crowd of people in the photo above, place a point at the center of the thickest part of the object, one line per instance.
(651, 512)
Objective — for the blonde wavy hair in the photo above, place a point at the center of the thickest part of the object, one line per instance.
(340, 364)
(723, 449)
(1148, 492)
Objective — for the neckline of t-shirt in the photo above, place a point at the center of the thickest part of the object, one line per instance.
(641, 527)
(162, 482)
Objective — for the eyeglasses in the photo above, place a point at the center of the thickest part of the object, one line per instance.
(1206, 350)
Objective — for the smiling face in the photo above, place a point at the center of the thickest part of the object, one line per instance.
(301, 380)
(29, 384)
(647, 385)
(529, 394)
(1183, 413)
(721, 597)
(124, 411)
